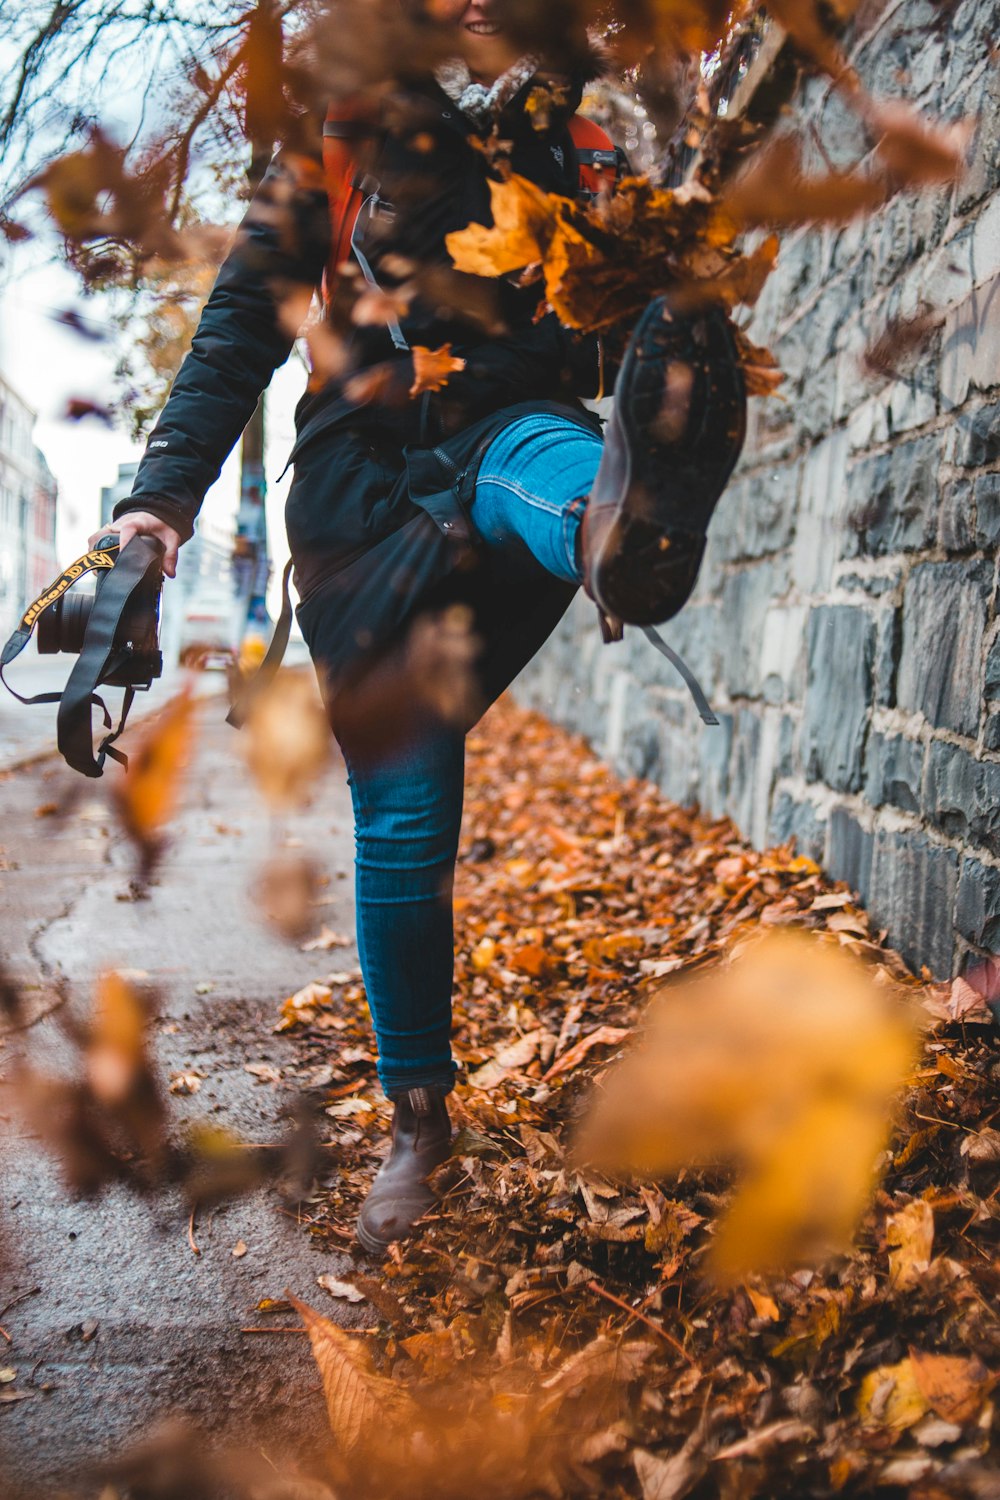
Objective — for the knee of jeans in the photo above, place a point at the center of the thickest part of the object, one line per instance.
(421, 827)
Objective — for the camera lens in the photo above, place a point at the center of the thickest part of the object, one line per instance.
(62, 626)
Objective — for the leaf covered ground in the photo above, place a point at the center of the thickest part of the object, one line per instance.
(556, 1329)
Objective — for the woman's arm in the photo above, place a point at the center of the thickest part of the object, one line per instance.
(241, 340)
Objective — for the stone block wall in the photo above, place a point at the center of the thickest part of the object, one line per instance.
(845, 623)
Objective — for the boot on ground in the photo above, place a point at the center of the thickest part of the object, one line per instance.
(400, 1194)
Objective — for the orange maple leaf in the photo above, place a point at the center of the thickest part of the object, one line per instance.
(431, 368)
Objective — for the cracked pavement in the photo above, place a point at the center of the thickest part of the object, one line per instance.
(167, 1340)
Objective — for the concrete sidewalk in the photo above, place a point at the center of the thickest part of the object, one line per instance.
(167, 1339)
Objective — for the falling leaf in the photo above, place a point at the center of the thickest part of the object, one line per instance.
(147, 796)
(910, 1236)
(785, 1062)
(288, 740)
(342, 1289)
(432, 367)
(286, 891)
(116, 1055)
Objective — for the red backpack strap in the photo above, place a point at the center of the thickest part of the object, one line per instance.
(345, 132)
(597, 158)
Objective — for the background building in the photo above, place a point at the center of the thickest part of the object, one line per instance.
(28, 503)
(845, 625)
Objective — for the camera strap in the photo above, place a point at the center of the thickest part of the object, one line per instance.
(99, 657)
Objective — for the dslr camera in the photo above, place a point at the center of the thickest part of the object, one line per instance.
(113, 632)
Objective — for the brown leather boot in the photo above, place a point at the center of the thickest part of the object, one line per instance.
(400, 1195)
(670, 445)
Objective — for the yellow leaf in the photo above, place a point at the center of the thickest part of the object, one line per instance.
(891, 1397)
(910, 1236)
(783, 1064)
(116, 1055)
(763, 1305)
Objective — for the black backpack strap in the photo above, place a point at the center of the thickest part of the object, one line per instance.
(273, 657)
(701, 703)
(99, 659)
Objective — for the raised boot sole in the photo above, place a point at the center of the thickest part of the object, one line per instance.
(648, 557)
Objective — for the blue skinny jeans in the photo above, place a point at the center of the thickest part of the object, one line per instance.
(530, 496)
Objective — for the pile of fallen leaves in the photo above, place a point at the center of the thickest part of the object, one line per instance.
(554, 1329)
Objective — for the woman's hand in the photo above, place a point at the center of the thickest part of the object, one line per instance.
(141, 523)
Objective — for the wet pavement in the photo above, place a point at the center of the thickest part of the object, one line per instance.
(120, 1318)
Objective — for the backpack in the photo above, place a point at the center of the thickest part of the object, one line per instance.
(600, 164)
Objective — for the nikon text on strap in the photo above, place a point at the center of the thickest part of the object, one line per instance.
(99, 657)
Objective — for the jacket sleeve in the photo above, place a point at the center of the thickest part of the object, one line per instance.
(283, 243)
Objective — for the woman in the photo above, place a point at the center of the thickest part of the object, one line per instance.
(495, 492)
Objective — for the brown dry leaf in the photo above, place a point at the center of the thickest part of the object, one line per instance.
(890, 1396)
(325, 940)
(918, 152)
(147, 796)
(910, 1236)
(285, 891)
(783, 1063)
(674, 1477)
(304, 1006)
(342, 1289)
(287, 742)
(432, 367)
(774, 191)
(953, 1386)
(365, 1409)
(604, 1036)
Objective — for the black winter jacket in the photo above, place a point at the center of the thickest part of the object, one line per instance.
(377, 513)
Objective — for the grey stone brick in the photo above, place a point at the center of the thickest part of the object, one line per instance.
(986, 498)
(991, 732)
(955, 517)
(889, 627)
(768, 510)
(912, 894)
(893, 769)
(841, 650)
(798, 822)
(849, 851)
(944, 620)
(962, 795)
(893, 497)
(715, 746)
(747, 595)
(977, 905)
(977, 437)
